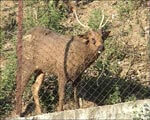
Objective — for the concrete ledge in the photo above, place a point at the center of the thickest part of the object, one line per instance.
(128, 110)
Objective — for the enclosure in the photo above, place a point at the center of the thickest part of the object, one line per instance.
(120, 74)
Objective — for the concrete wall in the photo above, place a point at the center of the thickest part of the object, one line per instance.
(128, 110)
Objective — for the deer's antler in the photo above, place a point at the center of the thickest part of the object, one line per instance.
(101, 25)
(75, 13)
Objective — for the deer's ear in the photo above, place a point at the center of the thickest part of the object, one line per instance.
(86, 41)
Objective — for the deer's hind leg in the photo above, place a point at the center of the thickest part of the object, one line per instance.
(20, 87)
(76, 98)
(35, 90)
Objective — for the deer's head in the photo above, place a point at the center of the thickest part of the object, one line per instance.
(94, 39)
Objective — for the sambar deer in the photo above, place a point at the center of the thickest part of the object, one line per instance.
(65, 56)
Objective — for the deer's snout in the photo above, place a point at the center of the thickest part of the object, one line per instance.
(101, 48)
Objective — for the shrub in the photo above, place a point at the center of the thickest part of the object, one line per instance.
(7, 85)
(95, 19)
(46, 15)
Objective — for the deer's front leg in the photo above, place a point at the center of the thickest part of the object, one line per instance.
(35, 90)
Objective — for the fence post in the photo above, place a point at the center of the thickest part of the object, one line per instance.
(148, 46)
(19, 58)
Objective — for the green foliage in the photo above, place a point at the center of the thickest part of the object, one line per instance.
(8, 72)
(7, 84)
(8, 76)
(7, 79)
(115, 97)
(48, 16)
(126, 7)
(130, 98)
(2, 35)
(113, 54)
(95, 19)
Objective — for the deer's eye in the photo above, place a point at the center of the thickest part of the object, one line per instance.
(93, 41)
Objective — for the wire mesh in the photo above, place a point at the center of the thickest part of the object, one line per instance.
(99, 84)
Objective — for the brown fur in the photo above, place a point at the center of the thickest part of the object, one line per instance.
(65, 56)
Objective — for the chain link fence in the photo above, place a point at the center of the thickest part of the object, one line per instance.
(120, 74)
